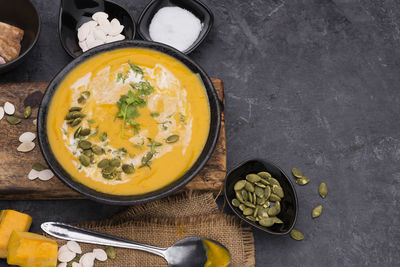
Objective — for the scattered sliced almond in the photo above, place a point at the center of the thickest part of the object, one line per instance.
(74, 247)
(1, 113)
(34, 122)
(33, 174)
(27, 137)
(76, 264)
(9, 108)
(100, 254)
(45, 175)
(66, 256)
(62, 249)
(26, 147)
(62, 264)
(87, 260)
(118, 37)
(98, 16)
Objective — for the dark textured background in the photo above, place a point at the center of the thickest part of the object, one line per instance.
(312, 84)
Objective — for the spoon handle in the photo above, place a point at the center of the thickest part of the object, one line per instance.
(69, 232)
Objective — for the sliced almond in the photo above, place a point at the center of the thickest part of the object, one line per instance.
(9, 108)
(99, 35)
(83, 46)
(1, 113)
(87, 260)
(76, 264)
(33, 174)
(116, 29)
(34, 122)
(100, 254)
(111, 39)
(62, 264)
(45, 175)
(99, 16)
(74, 247)
(62, 249)
(26, 146)
(66, 256)
(27, 137)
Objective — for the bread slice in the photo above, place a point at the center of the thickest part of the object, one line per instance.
(9, 48)
(11, 31)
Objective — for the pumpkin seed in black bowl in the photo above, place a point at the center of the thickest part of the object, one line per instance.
(262, 195)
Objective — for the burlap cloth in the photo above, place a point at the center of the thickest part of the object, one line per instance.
(161, 223)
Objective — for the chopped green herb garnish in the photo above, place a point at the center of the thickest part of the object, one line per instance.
(154, 114)
(135, 68)
(122, 150)
(103, 137)
(91, 121)
(153, 145)
(138, 146)
(164, 125)
(171, 115)
(142, 88)
(182, 118)
(122, 77)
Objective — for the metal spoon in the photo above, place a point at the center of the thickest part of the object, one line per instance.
(189, 251)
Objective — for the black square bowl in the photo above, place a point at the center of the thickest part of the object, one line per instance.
(197, 8)
(289, 207)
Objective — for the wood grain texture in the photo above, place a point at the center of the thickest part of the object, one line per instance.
(15, 166)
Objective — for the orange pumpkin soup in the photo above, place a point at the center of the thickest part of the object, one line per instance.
(129, 121)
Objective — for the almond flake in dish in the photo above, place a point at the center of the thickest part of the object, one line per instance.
(74, 247)
(26, 147)
(100, 254)
(46, 175)
(27, 137)
(75, 264)
(62, 264)
(9, 108)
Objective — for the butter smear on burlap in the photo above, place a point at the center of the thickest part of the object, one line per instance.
(164, 222)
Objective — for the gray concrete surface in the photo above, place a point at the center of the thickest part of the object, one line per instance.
(309, 83)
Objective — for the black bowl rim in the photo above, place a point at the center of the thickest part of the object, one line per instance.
(21, 56)
(197, 42)
(69, 52)
(108, 198)
(248, 221)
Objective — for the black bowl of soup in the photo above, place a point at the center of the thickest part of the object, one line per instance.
(129, 122)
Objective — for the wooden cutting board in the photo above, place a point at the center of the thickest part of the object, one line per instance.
(15, 166)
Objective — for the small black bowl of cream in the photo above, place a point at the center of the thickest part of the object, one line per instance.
(182, 24)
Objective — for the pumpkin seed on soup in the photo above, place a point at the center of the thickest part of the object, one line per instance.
(84, 144)
(115, 162)
(128, 168)
(85, 132)
(172, 139)
(103, 163)
(97, 150)
(296, 235)
(84, 160)
(75, 109)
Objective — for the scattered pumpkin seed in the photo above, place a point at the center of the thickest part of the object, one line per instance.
(317, 211)
(128, 168)
(275, 209)
(111, 253)
(297, 173)
(172, 139)
(27, 112)
(97, 150)
(13, 120)
(88, 153)
(302, 181)
(115, 162)
(323, 190)
(296, 235)
(75, 122)
(74, 115)
(37, 166)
